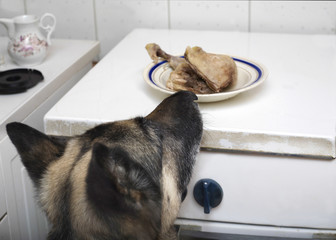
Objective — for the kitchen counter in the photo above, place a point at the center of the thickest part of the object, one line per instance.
(292, 113)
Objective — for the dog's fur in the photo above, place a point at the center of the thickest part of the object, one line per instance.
(119, 180)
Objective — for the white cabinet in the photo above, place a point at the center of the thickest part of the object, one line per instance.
(20, 215)
(2, 195)
(26, 221)
(4, 228)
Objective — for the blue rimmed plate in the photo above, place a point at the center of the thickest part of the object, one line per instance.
(250, 75)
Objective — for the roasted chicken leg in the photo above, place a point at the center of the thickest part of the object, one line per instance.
(155, 52)
(183, 77)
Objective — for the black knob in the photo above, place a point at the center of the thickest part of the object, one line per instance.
(208, 193)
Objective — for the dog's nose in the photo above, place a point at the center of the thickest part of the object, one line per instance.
(186, 94)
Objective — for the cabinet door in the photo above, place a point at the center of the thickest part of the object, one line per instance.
(31, 220)
(24, 215)
(3, 208)
(267, 190)
(4, 228)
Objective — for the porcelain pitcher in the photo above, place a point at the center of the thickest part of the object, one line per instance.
(27, 45)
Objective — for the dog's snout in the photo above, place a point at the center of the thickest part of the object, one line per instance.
(178, 107)
(186, 95)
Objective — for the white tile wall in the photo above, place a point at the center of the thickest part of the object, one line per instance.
(293, 16)
(210, 15)
(75, 18)
(115, 19)
(110, 20)
(8, 9)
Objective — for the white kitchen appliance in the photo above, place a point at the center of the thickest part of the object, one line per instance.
(270, 149)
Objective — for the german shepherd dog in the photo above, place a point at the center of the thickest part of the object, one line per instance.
(118, 180)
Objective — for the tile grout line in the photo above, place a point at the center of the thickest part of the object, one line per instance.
(249, 16)
(95, 19)
(25, 7)
(168, 11)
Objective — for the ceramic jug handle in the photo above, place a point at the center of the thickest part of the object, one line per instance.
(48, 28)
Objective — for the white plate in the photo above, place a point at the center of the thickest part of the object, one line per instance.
(250, 75)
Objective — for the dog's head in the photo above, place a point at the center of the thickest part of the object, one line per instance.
(109, 181)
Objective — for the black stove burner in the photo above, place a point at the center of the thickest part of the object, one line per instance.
(19, 80)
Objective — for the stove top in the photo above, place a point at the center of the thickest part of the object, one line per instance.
(19, 80)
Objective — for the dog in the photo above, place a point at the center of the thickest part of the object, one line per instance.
(119, 180)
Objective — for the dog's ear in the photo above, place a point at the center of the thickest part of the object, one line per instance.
(109, 166)
(111, 161)
(36, 149)
(118, 186)
(114, 181)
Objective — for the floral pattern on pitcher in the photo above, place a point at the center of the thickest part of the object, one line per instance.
(28, 45)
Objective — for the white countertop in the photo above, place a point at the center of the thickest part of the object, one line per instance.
(293, 112)
(65, 58)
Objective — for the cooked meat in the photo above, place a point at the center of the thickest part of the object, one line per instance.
(218, 71)
(183, 77)
(155, 52)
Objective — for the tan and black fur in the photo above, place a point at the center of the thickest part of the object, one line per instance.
(119, 180)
